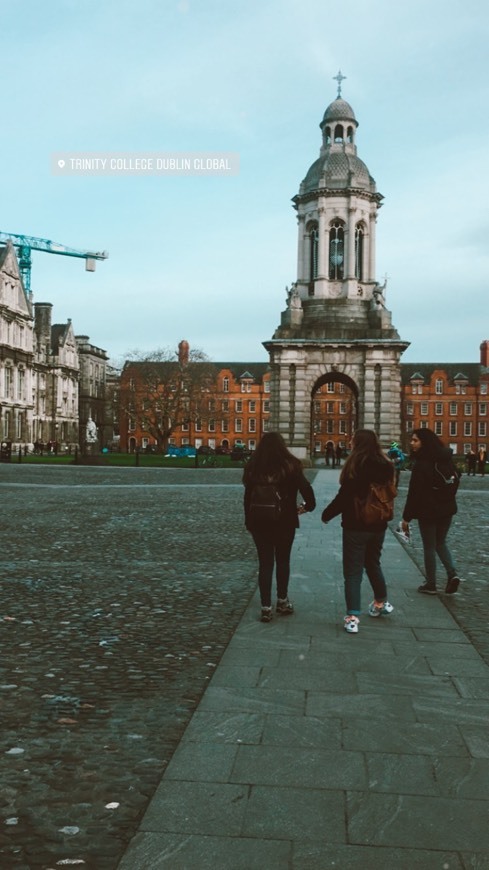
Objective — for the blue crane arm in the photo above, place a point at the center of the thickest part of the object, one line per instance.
(25, 244)
(51, 247)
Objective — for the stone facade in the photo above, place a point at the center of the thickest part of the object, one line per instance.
(336, 326)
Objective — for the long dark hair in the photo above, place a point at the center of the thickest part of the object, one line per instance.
(366, 447)
(432, 447)
(271, 460)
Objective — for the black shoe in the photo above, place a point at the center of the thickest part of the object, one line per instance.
(427, 588)
(266, 614)
(452, 585)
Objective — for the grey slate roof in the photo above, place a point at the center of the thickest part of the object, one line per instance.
(471, 371)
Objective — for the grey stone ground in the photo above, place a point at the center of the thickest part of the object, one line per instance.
(120, 592)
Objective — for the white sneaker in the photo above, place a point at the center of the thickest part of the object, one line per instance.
(351, 624)
(380, 609)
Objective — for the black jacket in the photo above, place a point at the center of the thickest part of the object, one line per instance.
(422, 502)
(288, 489)
(373, 471)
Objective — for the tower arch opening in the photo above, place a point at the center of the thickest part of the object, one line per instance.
(334, 414)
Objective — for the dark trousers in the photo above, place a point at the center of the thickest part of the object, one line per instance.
(273, 546)
(362, 550)
(433, 535)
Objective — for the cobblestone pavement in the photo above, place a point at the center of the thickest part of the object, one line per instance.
(469, 543)
(120, 590)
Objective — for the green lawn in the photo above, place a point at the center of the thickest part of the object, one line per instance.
(141, 460)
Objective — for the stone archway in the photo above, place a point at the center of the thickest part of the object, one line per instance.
(334, 415)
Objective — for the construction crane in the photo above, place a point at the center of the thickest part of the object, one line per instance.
(25, 244)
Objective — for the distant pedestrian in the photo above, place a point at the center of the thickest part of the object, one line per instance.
(362, 542)
(433, 503)
(272, 479)
(398, 458)
(471, 459)
(338, 454)
(329, 454)
(481, 461)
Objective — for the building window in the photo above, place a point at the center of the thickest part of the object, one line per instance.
(342, 407)
(330, 426)
(8, 382)
(246, 386)
(185, 427)
(252, 406)
(409, 426)
(438, 409)
(252, 425)
(482, 409)
(453, 409)
(6, 424)
(438, 428)
(453, 428)
(410, 409)
(131, 424)
(198, 425)
(483, 429)
(341, 388)
(467, 409)
(212, 425)
(423, 424)
(266, 406)
(225, 385)
(468, 429)
(330, 387)
(266, 386)
(238, 425)
(424, 409)
(238, 406)
(330, 407)
(343, 430)
(336, 251)
(483, 389)
(359, 253)
(317, 407)
(313, 253)
(225, 405)
(224, 425)
(438, 386)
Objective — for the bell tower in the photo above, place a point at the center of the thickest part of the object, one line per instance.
(336, 326)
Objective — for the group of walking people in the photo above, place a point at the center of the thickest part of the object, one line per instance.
(273, 478)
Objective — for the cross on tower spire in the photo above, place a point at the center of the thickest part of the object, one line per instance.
(339, 78)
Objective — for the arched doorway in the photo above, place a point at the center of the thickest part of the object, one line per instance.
(334, 416)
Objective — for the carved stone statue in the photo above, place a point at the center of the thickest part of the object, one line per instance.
(294, 300)
(91, 432)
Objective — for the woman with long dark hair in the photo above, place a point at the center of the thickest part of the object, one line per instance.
(362, 541)
(272, 479)
(433, 503)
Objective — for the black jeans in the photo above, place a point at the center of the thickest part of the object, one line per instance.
(434, 535)
(273, 546)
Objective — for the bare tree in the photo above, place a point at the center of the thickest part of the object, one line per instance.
(165, 390)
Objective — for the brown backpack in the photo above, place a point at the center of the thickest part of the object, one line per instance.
(378, 505)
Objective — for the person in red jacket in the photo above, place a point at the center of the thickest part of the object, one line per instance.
(362, 544)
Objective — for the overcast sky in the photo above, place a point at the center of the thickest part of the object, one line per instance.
(207, 259)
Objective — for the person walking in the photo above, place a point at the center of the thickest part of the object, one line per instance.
(272, 479)
(362, 542)
(433, 503)
(471, 463)
(481, 461)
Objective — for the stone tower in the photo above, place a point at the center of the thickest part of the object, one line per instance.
(336, 326)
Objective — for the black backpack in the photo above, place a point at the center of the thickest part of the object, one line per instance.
(445, 481)
(265, 503)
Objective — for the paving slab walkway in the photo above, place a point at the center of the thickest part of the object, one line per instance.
(312, 748)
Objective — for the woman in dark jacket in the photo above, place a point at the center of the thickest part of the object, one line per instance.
(362, 544)
(432, 506)
(273, 466)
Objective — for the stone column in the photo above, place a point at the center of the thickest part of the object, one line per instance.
(350, 245)
(301, 276)
(368, 421)
(323, 242)
(371, 248)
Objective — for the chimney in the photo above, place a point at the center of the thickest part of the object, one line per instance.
(485, 354)
(42, 323)
(183, 352)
